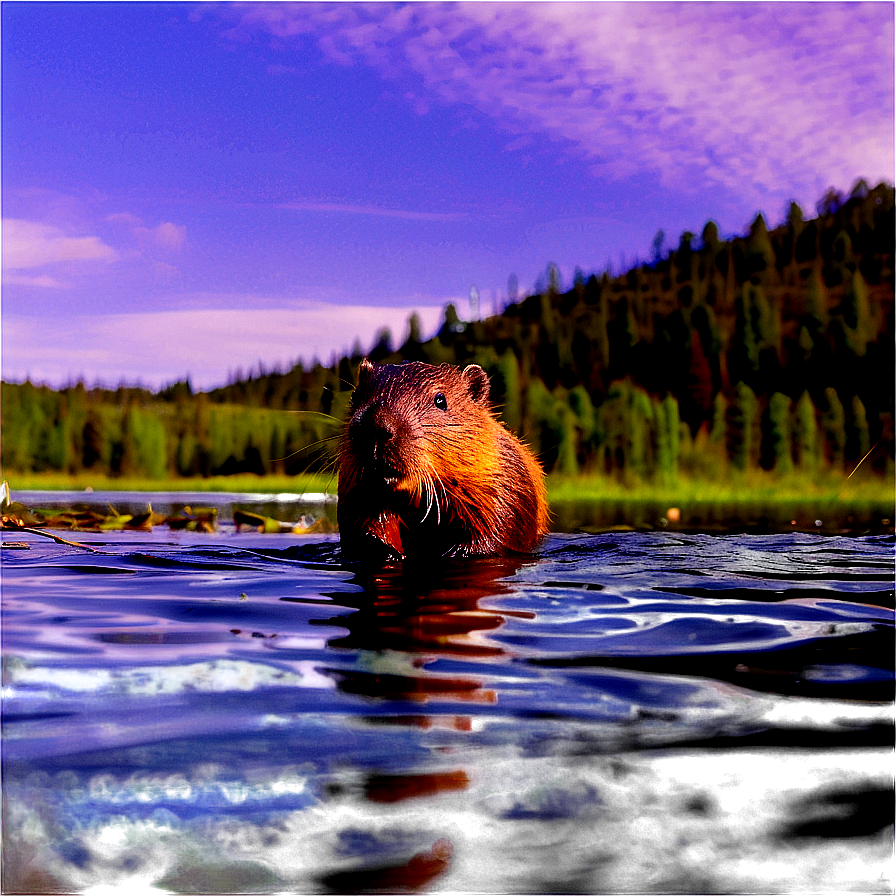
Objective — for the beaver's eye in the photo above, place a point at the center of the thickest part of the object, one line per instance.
(440, 401)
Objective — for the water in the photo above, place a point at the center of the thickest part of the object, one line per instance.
(627, 712)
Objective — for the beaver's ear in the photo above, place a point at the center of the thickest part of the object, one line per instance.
(365, 370)
(477, 383)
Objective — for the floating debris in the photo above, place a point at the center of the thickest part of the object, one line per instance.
(84, 518)
(202, 519)
(258, 522)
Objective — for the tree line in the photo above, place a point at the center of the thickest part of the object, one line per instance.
(772, 349)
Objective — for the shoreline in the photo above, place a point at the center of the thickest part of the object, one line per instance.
(862, 489)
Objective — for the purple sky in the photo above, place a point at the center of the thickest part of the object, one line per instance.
(194, 189)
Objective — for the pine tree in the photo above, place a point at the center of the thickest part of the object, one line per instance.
(796, 222)
(509, 375)
(667, 438)
(856, 313)
(382, 345)
(718, 428)
(805, 433)
(760, 256)
(816, 302)
(744, 353)
(860, 436)
(698, 385)
(586, 420)
(779, 434)
(742, 427)
(641, 424)
(710, 237)
(567, 449)
(541, 428)
(834, 423)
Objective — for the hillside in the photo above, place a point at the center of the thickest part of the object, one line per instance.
(774, 349)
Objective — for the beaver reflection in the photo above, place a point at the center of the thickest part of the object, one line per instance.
(396, 827)
(413, 615)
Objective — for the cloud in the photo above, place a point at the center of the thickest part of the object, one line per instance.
(44, 281)
(167, 236)
(156, 348)
(373, 210)
(751, 97)
(30, 244)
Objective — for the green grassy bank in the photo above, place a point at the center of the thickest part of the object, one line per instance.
(241, 482)
(752, 487)
(862, 488)
(757, 501)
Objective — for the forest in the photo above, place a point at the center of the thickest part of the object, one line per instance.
(773, 349)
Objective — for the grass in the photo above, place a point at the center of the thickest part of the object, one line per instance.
(758, 501)
(824, 502)
(755, 486)
(863, 489)
(241, 482)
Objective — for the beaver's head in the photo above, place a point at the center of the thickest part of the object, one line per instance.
(408, 421)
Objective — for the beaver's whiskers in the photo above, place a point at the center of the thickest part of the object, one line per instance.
(432, 498)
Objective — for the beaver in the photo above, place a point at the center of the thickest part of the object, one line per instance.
(426, 470)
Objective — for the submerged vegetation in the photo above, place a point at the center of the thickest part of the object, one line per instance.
(772, 351)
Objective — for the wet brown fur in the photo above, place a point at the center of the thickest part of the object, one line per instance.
(425, 468)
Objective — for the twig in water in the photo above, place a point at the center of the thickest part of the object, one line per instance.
(859, 464)
(58, 539)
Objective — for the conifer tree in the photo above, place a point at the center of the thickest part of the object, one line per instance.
(718, 429)
(857, 316)
(710, 237)
(834, 423)
(451, 325)
(509, 373)
(816, 302)
(382, 345)
(94, 450)
(667, 437)
(586, 420)
(743, 363)
(513, 288)
(779, 434)
(641, 424)
(567, 449)
(541, 427)
(805, 433)
(742, 427)
(760, 256)
(859, 429)
(795, 224)
(657, 247)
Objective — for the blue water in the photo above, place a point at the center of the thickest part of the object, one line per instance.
(625, 712)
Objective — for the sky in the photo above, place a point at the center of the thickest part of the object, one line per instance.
(194, 190)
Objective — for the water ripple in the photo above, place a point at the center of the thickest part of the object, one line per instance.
(251, 710)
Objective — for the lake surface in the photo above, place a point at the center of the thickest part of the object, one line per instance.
(650, 712)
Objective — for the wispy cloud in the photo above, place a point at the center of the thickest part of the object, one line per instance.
(751, 97)
(43, 281)
(156, 348)
(30, 244)
(371, 210)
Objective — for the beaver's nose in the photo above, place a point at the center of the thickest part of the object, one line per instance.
(376, 430)
(382, 432)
